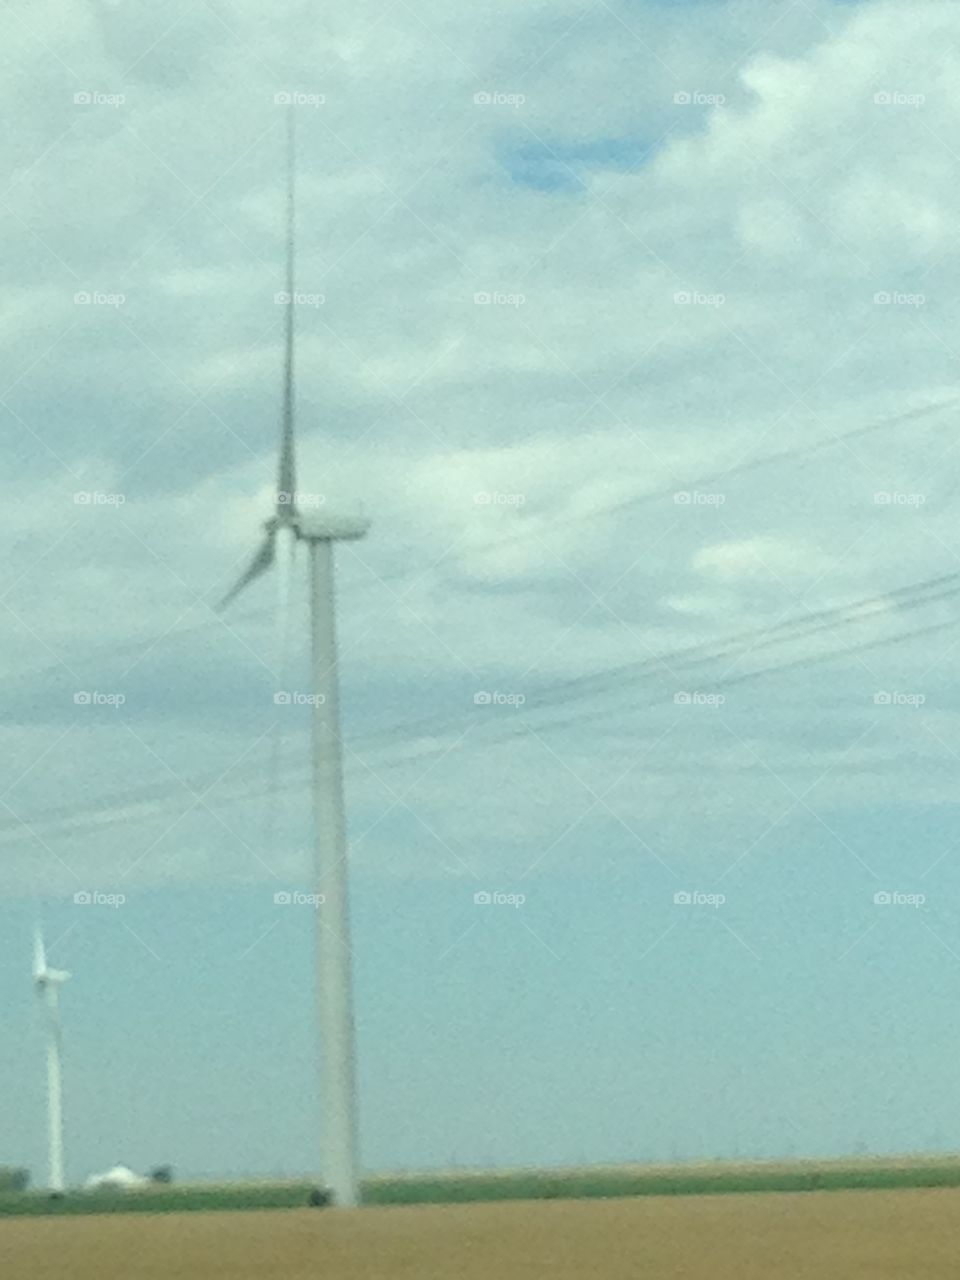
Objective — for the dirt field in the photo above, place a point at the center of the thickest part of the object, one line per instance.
(822, 1235)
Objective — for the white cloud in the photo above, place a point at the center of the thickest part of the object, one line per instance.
(790, 204)
(762, 557)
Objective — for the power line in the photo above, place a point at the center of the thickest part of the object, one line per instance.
(146, 802)
(931, 591)
(142, 648)
(578, 718)
(713, 478)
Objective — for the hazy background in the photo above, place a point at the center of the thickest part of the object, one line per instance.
(574, 274)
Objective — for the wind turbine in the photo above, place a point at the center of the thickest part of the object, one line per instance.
(47, 983)
(285, 530)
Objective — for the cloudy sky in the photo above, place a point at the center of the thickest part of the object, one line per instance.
(633, 328)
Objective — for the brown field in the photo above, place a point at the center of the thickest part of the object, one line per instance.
(837, 1235)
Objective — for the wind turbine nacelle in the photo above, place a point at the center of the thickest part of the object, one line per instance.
(327, 527)
(51, 977)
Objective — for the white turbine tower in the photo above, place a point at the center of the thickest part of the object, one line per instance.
(47, 984)
(286, 529)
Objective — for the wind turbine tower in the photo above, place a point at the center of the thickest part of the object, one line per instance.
(285, 531)
(47, 983)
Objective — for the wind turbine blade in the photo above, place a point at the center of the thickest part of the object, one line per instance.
(260, 564)
(39, 954)
(287, 469)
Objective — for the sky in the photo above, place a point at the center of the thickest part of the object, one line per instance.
(632, 327)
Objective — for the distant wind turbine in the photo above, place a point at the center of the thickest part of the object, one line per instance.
(284, 531)
(47, 984)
